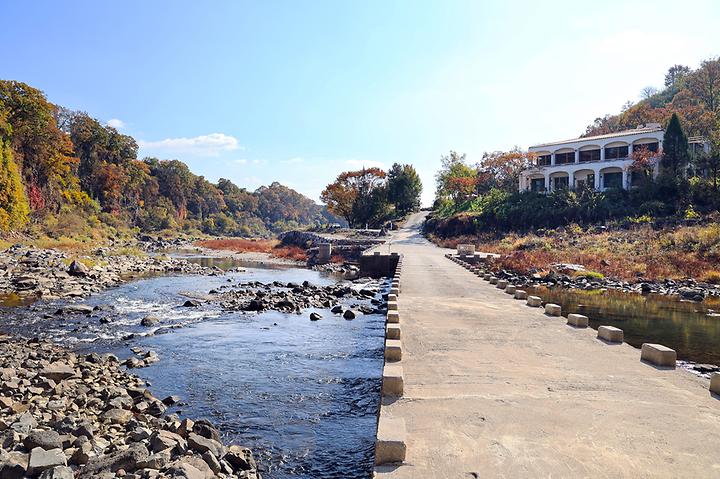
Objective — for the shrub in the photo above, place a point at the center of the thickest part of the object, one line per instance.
(712, 277)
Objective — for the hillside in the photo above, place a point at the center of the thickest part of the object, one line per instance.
(694, 95)
(63, 173)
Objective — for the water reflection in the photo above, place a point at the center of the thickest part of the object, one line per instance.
(683, 326)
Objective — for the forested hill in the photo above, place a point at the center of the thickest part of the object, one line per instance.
(63, 172)
(694, 95)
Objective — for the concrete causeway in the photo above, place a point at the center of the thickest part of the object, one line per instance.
(496, 389)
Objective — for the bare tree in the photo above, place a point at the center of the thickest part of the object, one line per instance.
(647, 92)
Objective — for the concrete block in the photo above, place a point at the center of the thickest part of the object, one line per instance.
(394, 291)
(715, 383)
(390, 444)
(494, 280)
(577, 320)
(501, 284)
(520, 294)
(392, 306)
(553, 309)
(466, 249)
(487, 276)
(658, 355)
(393, 350)
(392, 297)
(393, 317)
(392, 380)
(510, 289)
(534, 301)
(392, 331)
(610, 334)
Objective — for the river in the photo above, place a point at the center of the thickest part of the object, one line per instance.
(304, 395)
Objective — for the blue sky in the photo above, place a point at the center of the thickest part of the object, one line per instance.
(297, 92)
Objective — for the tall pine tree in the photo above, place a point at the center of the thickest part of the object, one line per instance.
(675, 149)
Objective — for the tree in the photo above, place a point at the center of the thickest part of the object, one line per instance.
(675, 74)
(504, 167)
(456, 180)
(704, 83)
(14, 208)
(675, 155)
(353, 195)
(648, 92)
(404, 188)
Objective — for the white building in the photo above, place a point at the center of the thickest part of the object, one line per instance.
(601, 161)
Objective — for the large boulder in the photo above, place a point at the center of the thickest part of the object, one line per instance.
(44, 439)
(76, 268)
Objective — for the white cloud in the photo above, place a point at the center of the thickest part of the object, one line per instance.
(203, 145)
(296, 159)
(365, 164)
(116, 123)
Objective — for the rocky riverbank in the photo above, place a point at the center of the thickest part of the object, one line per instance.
(688, 289)
(65, 415)
(347, 298)
(53, 274)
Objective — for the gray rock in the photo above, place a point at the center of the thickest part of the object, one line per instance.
(315, 316)
(58, 371)
(150, 320)
(348, 314)
(43, 439)
(127, 460)
(117, 416)
(77, 269)
(58, 472)
(202, 444)
(40, 460)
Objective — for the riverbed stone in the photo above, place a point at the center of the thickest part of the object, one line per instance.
(40, 460)
(44, 439)
(658, 355)
(611, 334)
(577, 320)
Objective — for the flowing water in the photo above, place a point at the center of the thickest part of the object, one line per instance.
(692, 329)
(303, 395)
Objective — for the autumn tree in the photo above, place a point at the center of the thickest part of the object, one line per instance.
(14, 208)
(456, 180)
(675, 74)
(504, 168)
(357, 196)
(704, 83)
(404, 188)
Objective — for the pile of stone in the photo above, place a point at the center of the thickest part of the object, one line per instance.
(64, 415)
(50, 273)
(294, 298)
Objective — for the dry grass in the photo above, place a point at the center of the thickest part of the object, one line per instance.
(271, 247)
(689, 251)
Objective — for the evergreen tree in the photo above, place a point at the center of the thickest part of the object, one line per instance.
(14, 209)
(675, 149)
(404, 188)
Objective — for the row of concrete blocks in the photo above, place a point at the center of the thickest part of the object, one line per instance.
(655, 354)
(390, 442)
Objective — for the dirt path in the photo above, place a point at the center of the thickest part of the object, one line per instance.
(495, 389)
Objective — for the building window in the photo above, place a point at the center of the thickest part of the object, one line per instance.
(648, 146)
(537, 184)
(543, 160)
(616, 152)
(561, 182)
(590, 155)
(612, 180)
(587, 182)
(564, 158)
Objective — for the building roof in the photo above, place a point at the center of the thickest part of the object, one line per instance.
(654, 128)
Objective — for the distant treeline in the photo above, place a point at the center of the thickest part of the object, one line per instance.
(62, 172)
